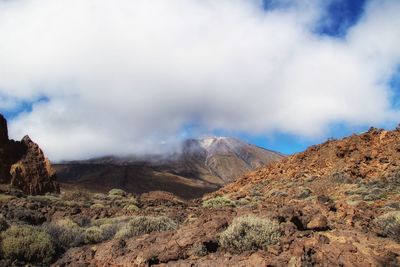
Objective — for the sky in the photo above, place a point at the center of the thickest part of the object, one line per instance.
(87, 78)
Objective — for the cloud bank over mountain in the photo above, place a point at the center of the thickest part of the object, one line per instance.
(122, 76)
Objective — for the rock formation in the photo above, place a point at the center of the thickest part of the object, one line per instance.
(23, 165)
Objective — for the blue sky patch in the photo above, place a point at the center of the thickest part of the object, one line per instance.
(340, 16)
(22, 106)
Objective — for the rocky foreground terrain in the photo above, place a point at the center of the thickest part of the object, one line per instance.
(200, 166)
(335, 204)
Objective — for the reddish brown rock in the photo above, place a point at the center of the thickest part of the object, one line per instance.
(318, 223)
(24, 166)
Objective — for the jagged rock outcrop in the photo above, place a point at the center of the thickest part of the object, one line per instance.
(24, 166)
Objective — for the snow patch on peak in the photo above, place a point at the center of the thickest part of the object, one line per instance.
(208, 142)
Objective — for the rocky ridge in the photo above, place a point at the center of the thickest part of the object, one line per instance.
(373, 156)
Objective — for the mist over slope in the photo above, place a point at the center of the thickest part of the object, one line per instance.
(201, 166)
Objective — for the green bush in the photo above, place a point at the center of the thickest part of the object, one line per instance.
(100, 196)
(98, 234)
(242, 202)
(389, 225)
(117, 192)
(28, 244)
(65, 234)
(144, 225)
(116, 220)
(97, 206)
(45, 199)
(5, 198)
(218, 202)
(131, 208)
(122, 202)
(93, 235)
(249, 233)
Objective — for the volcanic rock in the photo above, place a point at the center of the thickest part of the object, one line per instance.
(24, 166)
(318, 223)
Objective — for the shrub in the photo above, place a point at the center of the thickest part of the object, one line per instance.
(3, 223)
(131, 207)
(116, 220)
(144, 225)
(122, 202)
(100, 196)
(117, 192)
(65, 234)
(242, 202)
(108, 230)
(5, 198)
(97, 206)
(199, 250)
(93, 235)
(389, 225)
(218, 202)
(249, 233)
(67, 223)
(44, 199)
(27, 243)
(124, 231)
(98, 234)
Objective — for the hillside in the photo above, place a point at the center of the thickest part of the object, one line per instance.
(371, 157)
(335, 204)
(200, 167)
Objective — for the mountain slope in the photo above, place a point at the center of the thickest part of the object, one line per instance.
(335, 204)
(200, 167)
(369, 157)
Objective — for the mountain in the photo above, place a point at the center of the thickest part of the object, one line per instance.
(201, 166)
(335, 204)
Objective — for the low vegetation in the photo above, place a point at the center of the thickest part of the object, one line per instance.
(218, 202)
(117, 192)
(97, 206)
(65, 234)
(144, 225)
(98, 234)
(249, 233)
(389, 225)
(5, 198)
(27, 243)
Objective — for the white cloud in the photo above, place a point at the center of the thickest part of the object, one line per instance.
(121, 75)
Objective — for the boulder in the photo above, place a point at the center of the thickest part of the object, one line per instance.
(318, 223)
